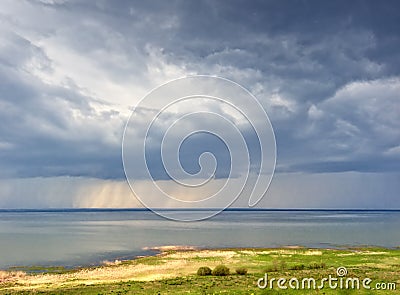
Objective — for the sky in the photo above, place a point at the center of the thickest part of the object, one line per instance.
(326, 73)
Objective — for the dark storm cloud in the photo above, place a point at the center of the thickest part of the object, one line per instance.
(312, 64)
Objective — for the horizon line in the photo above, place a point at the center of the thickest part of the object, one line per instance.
(192, 209)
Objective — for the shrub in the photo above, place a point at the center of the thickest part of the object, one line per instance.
(273, 267)
(241, 271)
(298, 267)
(204, 271)
(317, 265)
(220, 270)
(310, 266)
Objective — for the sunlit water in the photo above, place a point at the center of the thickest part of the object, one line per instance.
(72, 238)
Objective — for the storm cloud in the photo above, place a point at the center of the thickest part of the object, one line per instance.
(327, 74)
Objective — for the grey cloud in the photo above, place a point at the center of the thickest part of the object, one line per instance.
(353, 130)
(295, 56)
(193, 145)
(51, 130)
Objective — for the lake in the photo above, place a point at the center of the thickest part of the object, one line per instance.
(87, 237)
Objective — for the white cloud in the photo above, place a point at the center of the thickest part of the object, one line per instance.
(314, 113)
(367, 112)
(393, 151)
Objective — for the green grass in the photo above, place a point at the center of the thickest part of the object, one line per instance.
(37, 269)
(381, 265)
(150, 261)
(233, 284)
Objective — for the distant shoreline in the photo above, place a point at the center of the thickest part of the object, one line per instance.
(192, 209)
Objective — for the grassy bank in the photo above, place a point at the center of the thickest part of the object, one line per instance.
(174, 272)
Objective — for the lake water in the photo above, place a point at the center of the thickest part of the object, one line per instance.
(85, 237)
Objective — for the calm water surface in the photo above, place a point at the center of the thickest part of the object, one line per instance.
(72, 238)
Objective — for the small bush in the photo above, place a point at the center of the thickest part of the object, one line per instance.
(298, 267)
(220, 270)
(241, 271)
(317, 265)
(204, 271)
(273, 267)
(310, 266)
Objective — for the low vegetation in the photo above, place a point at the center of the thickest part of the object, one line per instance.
(204, 271)
(241, 271)
(282, 266)
(220, 270)
(188, 272)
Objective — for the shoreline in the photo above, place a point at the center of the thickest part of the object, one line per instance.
(181, 263)
(161, 250)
